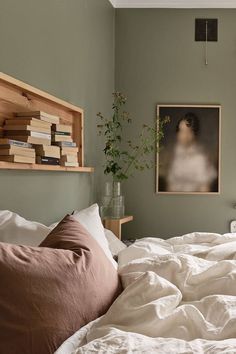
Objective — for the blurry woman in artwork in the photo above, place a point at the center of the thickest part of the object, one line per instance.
(190, 169)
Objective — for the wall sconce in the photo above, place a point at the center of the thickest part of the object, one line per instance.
(206, 30)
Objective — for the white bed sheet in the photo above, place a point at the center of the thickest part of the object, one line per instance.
(179, 297)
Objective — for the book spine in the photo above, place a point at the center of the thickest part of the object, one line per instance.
(61, 133)
(65, 143)
(48, 160)
(19, 143)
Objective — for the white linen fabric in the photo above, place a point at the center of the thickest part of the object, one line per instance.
(181, 300)
(92, 222)
(17, 230)
(115, 245)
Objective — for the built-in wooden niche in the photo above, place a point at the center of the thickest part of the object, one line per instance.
(17, 96)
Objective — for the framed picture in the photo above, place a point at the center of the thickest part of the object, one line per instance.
(188, 161)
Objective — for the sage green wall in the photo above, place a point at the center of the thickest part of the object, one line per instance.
(158, 61)
(66, 48)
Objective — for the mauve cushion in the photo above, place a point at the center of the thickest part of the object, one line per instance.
(49, 292)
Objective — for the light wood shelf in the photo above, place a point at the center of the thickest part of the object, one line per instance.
(17, 96)
(115, 224)
(39, 167)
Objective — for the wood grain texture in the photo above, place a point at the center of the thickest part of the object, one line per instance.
(17, 96)
(115, 224)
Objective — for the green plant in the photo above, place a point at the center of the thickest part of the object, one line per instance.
(123, 157)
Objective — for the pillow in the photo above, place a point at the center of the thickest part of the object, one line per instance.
(17, 230)
(115, 245)
(49, 292)
(91, 220)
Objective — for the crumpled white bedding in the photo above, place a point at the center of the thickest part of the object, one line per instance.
(179, 297)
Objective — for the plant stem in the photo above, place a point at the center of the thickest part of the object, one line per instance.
(135, 157)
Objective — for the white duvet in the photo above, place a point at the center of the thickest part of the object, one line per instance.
(179, 297)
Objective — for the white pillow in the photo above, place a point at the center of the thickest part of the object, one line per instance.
(114, 243)
(91, 220)
(17, 230)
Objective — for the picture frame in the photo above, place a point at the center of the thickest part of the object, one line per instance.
(189, 157)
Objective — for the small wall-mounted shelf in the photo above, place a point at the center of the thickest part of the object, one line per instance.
(17, 96)
(38, 167)
(115, 224)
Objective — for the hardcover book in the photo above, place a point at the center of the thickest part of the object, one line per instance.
(62, 128)
(69, 158)
(22, 127)
(59, 138)
(69, 151)
(32, 140)
(18, 158)
(34, 122)
(50, 151)
(40, 115)
(60, 133)
(6, 141)
(70, 164)
(16, 150)
(65, 143)
(28, 133)
(47, 160)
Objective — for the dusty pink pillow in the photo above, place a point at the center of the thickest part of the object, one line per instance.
(49, 292)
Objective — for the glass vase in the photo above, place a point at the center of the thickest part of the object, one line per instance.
(112, 203)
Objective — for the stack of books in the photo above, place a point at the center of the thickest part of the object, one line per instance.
(16, 151)
(69, 154)
(48, 155)
(30, 127)
(61, 132)
(40, 136)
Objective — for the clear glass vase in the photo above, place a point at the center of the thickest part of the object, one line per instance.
(112, 203)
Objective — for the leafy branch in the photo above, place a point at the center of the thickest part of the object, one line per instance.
(123, 157)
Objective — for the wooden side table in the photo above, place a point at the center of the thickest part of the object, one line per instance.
(115, 224)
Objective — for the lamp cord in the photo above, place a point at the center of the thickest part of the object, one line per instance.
(206, 42)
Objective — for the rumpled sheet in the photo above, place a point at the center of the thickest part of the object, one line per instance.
(179, 297)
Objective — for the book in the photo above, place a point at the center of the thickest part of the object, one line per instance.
(69, 158)
(57, 138)
(50, 151)
(6, 141)
(70, 164)
(32, 140)
(69, 151)
(61, 133)
(34, 122)
(51, 118)
(65, 143)
(18, 158)
(22, 127)
(62, 128)
(47, 160)
(16, 150)
(28, 133)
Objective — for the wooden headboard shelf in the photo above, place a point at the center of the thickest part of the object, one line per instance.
(17, 96)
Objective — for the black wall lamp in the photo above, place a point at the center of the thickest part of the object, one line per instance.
(206, 30)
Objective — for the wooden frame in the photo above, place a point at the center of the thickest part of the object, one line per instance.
(189, 106)
(17, 96)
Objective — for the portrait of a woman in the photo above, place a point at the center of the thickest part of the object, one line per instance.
(189, 159)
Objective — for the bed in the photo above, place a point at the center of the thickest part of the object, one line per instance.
(179, 296)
